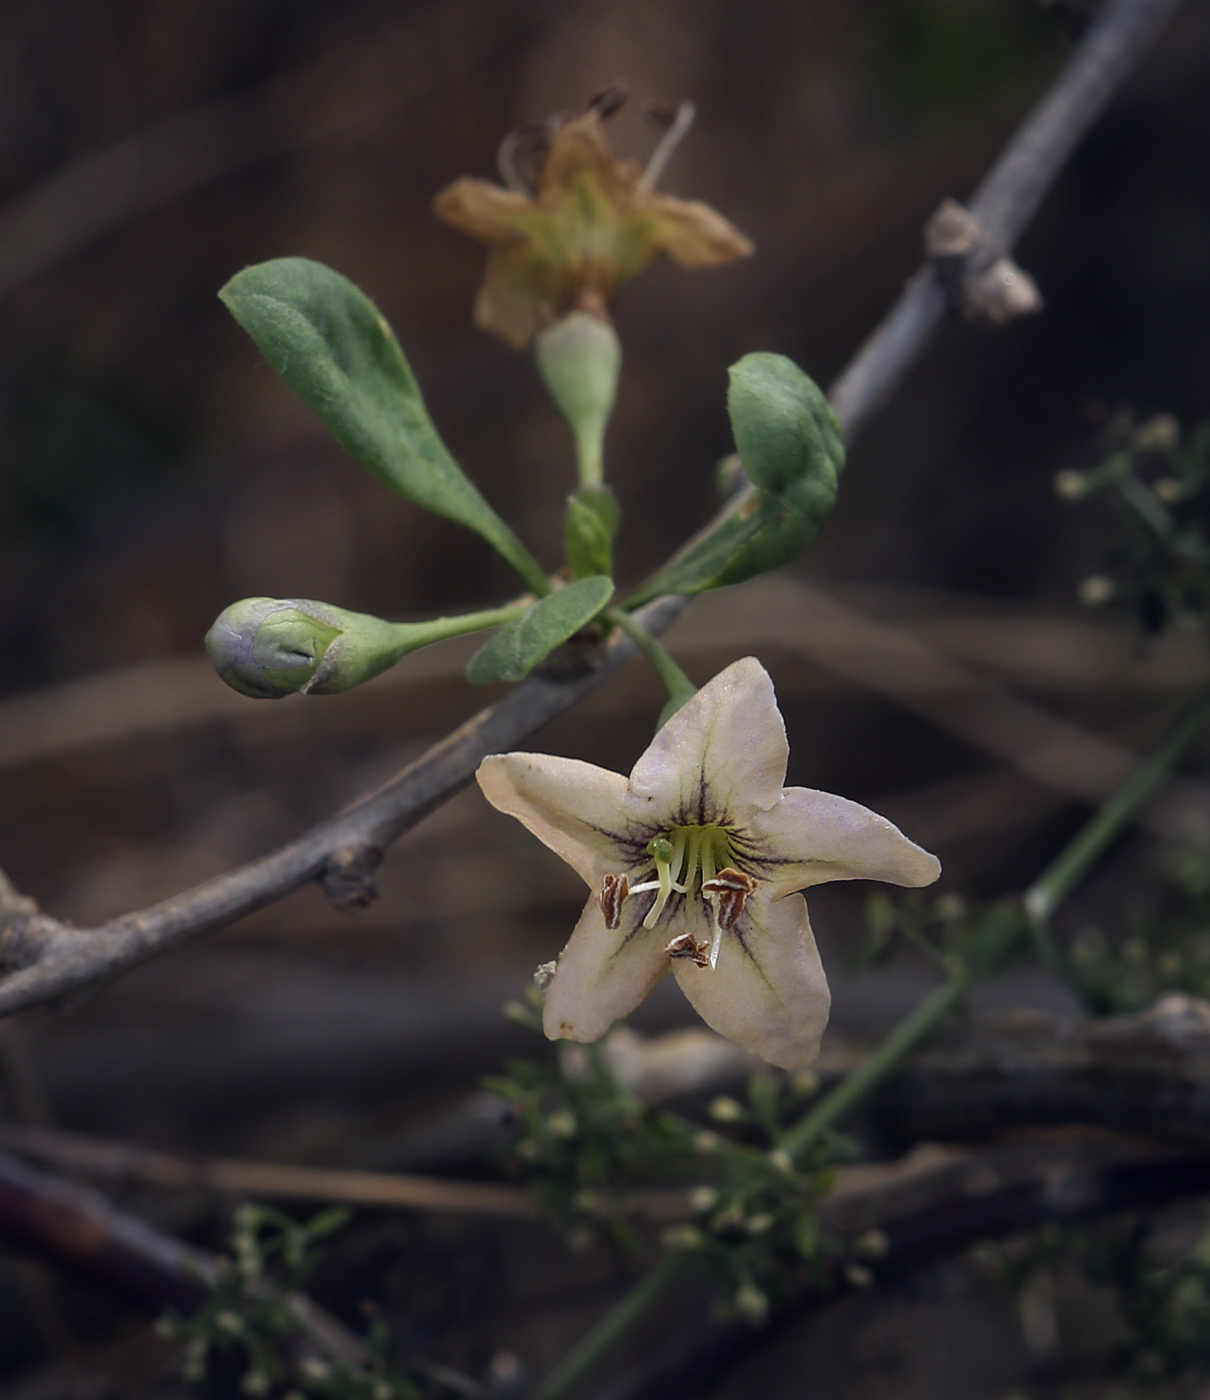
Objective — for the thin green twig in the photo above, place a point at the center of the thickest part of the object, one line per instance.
(1053, 886)
(680, 688)
(612, 1327)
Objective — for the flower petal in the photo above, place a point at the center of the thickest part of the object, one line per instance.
(696, 235)
(485, 211)
(575, 808)
(808, 838)
(768, 992)
(580, 149)
(603, 974)
(721, 756)
(519, 294)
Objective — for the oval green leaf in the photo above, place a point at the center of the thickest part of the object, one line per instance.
(513, 652)
(790, 443)
(332, 345)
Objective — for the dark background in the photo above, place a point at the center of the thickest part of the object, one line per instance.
(152, 470)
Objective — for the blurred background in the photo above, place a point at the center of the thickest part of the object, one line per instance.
(153, 469)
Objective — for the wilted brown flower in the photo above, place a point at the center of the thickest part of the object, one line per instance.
(583, 227)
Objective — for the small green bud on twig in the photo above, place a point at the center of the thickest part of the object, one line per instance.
(268, 648)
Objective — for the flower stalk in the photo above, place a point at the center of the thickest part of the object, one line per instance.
(268, 648)
(680, 688)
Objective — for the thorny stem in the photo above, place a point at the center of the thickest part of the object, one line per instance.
(612, 1327)
(680, 687)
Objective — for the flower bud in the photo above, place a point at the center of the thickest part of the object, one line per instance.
(561, 1123)
(270, 647)
(1095, 590)
(682, 1237)
(1071, 485)
(752, 1305)
(725, 1109)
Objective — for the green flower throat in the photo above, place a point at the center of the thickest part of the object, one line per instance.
(694, 861)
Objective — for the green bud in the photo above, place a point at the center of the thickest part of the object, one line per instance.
(579, 360)
(268, 648)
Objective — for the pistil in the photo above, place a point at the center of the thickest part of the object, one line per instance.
(687, 861)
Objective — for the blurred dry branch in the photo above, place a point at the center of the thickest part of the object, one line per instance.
(48, 959)
(1025, 1070)
(123, 1161)
(83, 1233)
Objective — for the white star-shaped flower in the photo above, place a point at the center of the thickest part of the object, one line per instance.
(695, 863)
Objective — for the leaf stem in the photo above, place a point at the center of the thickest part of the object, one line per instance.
(680, 687)
(612, 1327)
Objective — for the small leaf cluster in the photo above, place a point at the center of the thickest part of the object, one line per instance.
(1166, 947)
(586, 1145)
(757, 1221)
(250, 1320)
(1159, 486)
(1161, 1345)
(946, 928)
(333, 346)
(584, 1140)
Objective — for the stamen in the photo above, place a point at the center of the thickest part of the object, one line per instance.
(716, 942)
(665, 147)
(609, 100)
(614, 891)
(730, 888)
(522, 155)
(684, 945)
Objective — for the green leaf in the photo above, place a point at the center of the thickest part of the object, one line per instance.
(790, 444)
(514, 651)
(588, 529)
(331, 344)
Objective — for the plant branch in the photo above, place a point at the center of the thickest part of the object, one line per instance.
(1009, 195)
(83, 1233)
(48, 959)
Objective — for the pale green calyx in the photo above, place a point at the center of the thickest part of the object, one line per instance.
(267, 648)
(579, 360)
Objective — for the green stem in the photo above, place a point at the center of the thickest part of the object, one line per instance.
(408, 636)
(995, 939)
(612, 1327)
(1053, 886)
(680, 687)
(590, 455)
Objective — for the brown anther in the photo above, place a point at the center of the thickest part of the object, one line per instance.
(731, 888)
(614, 889)
(606, 102)
(661, 114)
(684, 945)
